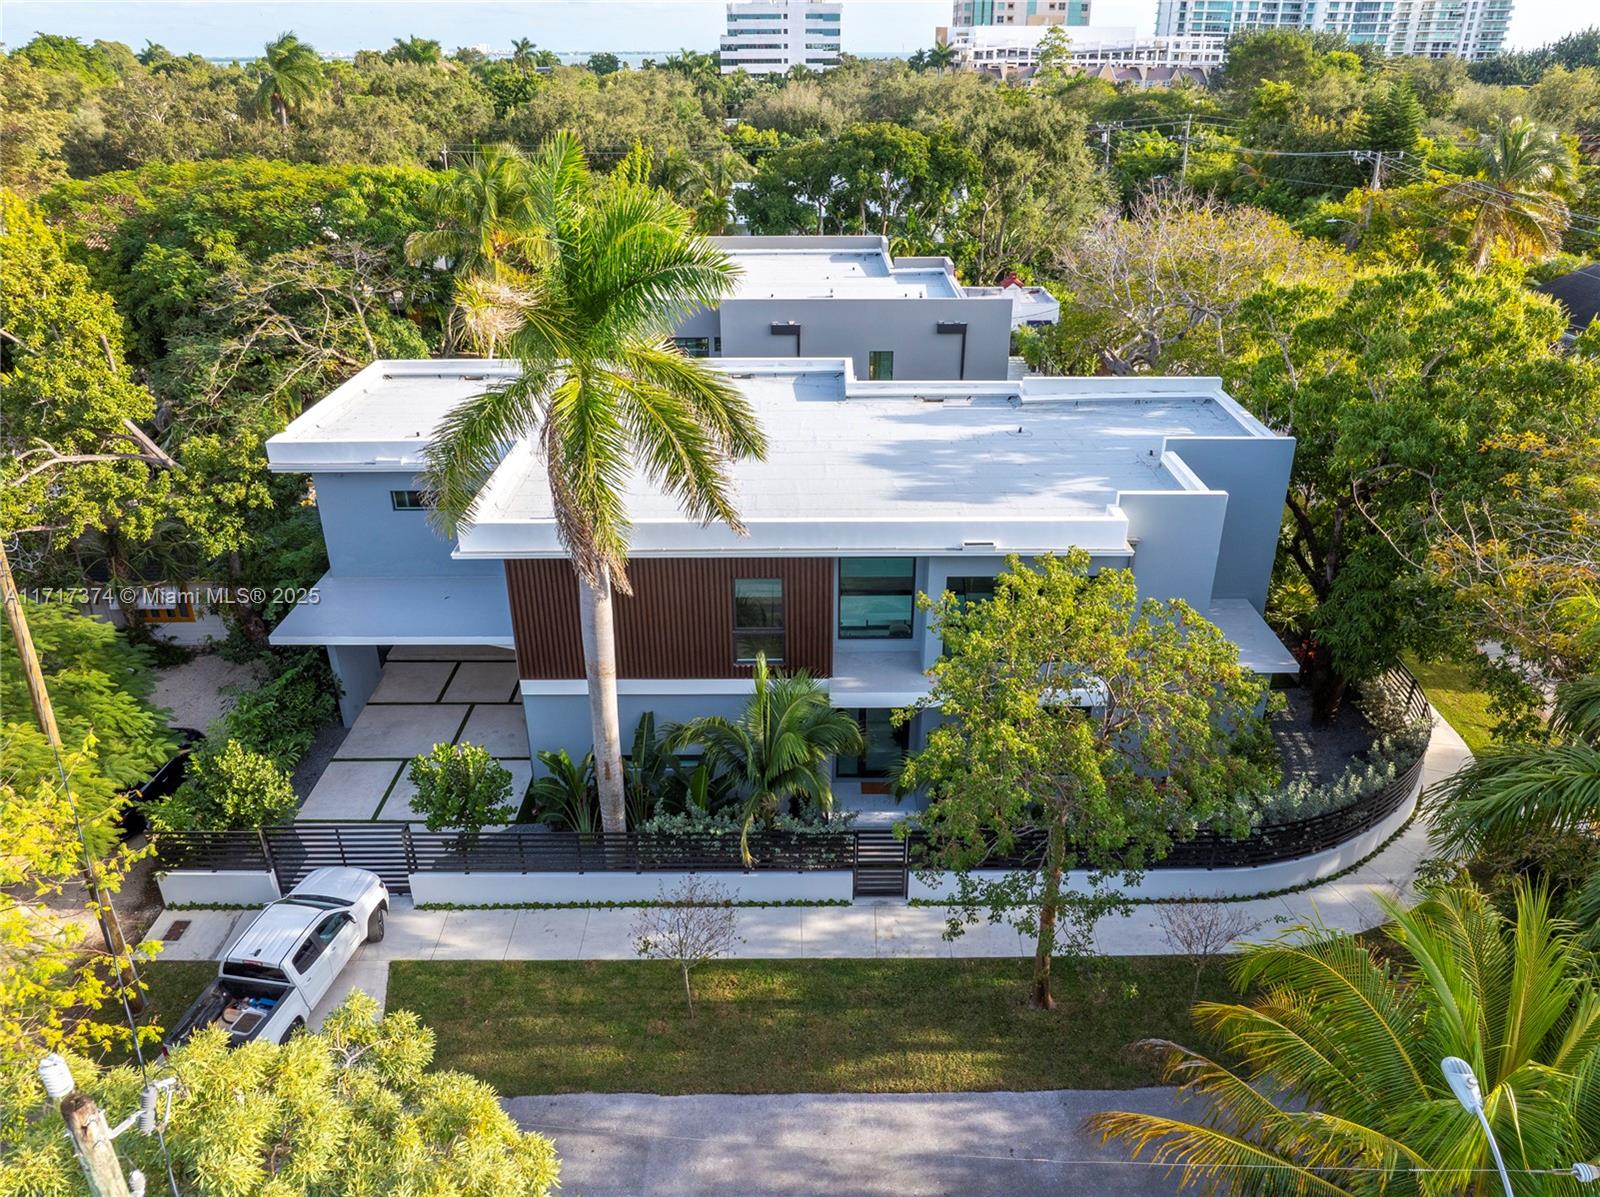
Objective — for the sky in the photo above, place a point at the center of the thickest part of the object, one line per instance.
(226, 28)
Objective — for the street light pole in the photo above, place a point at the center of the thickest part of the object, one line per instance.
(1464, 1084)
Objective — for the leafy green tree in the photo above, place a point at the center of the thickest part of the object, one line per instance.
(53, 979)
(1337, 1087)
(353, 1109)
(1084, 727)
(659, 110)
(290, 78)
(778, 751)
(1518, 201)
(522, 54)
(1162, 289)
(602, 394)
(32, 129)
(76, 458)
(604, 63)
(1514, 797)
(100, 686)
(704, 183)
(460, 787)
(1411, 396)
(227, 786)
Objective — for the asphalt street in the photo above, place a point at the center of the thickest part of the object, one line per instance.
(843, 1145)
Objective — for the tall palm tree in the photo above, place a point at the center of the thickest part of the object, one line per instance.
(546, 58)
(602, 392)
(482, 212)
(419, 51)
(777, 751)
(522, 51)
(291, 78)
(1512, 794)
(704, 183)
(1519, 197)
(1338, 1089)
(942, 57)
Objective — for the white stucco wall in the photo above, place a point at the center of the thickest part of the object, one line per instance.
(1222, 883)
(482, 889)
(222, 887)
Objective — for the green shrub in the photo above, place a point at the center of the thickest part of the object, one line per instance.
(227, 787)
(282, 716)
(460, 786)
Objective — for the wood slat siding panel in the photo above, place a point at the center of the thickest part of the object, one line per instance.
(678, 622)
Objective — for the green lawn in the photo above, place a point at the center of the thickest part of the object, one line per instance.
(1450, 689)
(172, 985)
(804, 1026)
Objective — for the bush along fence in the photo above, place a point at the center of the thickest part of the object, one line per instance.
(870, 861)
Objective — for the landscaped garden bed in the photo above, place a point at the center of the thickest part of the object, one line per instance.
(798, 1026)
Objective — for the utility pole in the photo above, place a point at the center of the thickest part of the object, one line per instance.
(44, 714)
(1375, 186)
(1377, 172)
(91, 1138)
(1183, 171)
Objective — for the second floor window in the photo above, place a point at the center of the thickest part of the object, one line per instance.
(408, 500)
(877, 597)
(880, 365)
(693, 346)
(757, 620)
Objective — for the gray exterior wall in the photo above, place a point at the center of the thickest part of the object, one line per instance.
(368, 538)
(1179, 534)
(853, 327)
(1255, 473)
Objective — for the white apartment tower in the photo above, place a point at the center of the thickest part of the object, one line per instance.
(767, 37)
(1470, 29)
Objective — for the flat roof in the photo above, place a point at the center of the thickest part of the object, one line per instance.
(853, 467)
(833, 268)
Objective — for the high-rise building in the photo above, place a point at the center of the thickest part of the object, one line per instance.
(1019, 12)
(1470, 29)
(767, 37)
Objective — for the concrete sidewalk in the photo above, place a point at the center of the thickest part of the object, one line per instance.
(973, 1144)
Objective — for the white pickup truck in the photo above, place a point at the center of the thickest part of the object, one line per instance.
(288, 958)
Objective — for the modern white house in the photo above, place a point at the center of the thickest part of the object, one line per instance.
(871, 493)
(1470, 29)
(845, 296)
(767, 37)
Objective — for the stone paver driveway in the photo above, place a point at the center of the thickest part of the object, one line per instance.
(425, 696)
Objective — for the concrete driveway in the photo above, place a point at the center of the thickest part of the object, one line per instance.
(969, 1144)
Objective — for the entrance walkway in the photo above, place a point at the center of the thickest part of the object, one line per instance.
(425, 696)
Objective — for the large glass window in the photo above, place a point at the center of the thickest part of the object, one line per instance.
(886, 744)
(880, 365)
(757, 619)
(693, 346)
(877, 597)
(968, 589)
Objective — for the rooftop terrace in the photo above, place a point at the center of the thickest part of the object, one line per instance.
(834, 268)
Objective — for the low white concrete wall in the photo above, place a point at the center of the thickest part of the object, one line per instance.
(484, 889)
(1223, 883)
(221, 887)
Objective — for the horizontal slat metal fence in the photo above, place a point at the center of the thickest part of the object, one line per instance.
(394, 851)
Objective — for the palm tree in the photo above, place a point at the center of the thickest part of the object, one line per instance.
(1511, 795)
(419, 51)
(777, 751)
(291, 77)
(482, 211)
(1518, 197)
(522, 51)
(942, 57)
(602, 392)
(546, 58)
(1338, 1088)
(704, 183)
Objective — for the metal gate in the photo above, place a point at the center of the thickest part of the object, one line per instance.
(882, 861)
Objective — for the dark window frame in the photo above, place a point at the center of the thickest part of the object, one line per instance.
(856, 768)
(688, 346)
(408, 500)
(873, 631)
(874, 373)
(741, 630)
